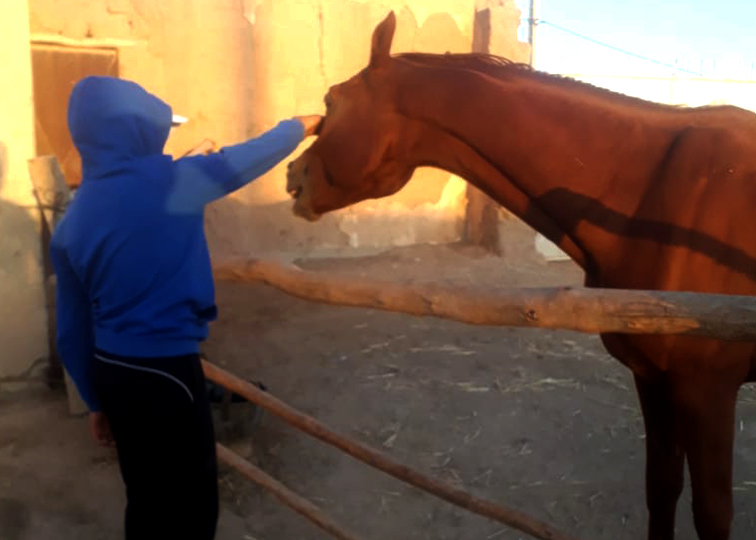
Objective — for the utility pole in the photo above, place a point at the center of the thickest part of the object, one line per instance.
(535, 11)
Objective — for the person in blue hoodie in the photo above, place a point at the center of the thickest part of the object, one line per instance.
(135, 295)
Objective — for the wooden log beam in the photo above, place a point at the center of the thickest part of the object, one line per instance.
(364, 453)
(726, 317)
(282, 493)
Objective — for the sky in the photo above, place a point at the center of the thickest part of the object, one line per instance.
(712, 38)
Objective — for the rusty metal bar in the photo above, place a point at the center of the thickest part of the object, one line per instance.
(284, 494)
(364, 453)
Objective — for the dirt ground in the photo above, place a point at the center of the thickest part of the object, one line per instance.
(542, 421)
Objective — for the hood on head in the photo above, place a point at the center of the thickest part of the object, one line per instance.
(112, 120)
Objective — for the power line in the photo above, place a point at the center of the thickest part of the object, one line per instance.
(616, 49)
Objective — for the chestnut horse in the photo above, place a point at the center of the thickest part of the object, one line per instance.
(640, 195)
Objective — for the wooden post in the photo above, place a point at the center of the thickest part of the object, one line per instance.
(482, 213)
(53, 195)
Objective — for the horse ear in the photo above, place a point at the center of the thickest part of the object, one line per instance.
(383, 35)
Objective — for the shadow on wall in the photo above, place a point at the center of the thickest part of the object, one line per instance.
(16, 259)
(239, 230)
(236, 229)
(19, 277)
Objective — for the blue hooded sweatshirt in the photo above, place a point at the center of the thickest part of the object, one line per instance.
(133, 270)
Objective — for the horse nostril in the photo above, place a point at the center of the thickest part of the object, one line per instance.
(306, 170)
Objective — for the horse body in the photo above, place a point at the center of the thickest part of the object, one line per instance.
(641, 195)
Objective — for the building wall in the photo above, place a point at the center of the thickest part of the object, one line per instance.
(299, 50)
(23, 319)
(236, 68)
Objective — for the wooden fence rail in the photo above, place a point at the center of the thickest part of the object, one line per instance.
(727, 317)
(376, 459)
(283, 494)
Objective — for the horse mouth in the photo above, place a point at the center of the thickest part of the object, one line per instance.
(305, 212)
(296, 192)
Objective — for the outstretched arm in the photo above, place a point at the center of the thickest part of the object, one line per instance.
(199, 180)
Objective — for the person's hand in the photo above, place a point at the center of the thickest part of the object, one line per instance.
(311, 123)
(100, 429)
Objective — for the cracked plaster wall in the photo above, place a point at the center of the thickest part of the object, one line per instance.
(236, 67)
(23, 318)
(301, 48)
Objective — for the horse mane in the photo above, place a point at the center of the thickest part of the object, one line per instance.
(504, 69)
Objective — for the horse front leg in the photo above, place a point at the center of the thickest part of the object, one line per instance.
(665, 457)
(706, 413)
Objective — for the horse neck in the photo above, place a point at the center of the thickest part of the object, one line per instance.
(552, 155)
